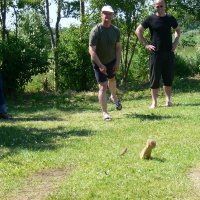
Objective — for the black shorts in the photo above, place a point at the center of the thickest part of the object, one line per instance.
(161, 65)
(100, 77)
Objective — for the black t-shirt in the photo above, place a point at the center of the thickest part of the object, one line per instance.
(160, 29)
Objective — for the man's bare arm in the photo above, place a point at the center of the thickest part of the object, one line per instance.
(176, 39)
(95, 58)
(118, 56)
(139, 32)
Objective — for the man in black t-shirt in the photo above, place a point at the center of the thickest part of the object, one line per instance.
(161, 49)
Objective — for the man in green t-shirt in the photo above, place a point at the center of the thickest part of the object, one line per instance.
(105, 52)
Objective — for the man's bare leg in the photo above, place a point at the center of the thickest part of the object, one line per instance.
(113, 89)
(102, 98)
(168, 94)
(154, 96)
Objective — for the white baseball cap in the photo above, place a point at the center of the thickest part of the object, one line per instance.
(107, 9)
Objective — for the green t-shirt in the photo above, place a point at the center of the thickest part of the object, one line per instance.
(105, 40)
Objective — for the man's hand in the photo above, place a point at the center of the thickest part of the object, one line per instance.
(174, 47)
(150, 47)
(103, 69)
(115, 69)
(177, 36)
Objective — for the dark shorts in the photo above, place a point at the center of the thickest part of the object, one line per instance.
(161, 65)
(100, 77)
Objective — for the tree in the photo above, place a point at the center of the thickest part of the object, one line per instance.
(54, 40)
(75, 69)
(27, 54)
(42, 6)
(23, 52)
(82, 11)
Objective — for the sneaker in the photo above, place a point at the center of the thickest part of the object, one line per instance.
(106, 117)
(5, 116)
(118, 104)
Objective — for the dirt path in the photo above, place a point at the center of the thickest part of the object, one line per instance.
(40, 185)
(195, 177)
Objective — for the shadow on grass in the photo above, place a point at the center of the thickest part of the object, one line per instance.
(31, 103)
(15, 138)
(161, 160)
(187, 104)
(150, 117)
(33, 119)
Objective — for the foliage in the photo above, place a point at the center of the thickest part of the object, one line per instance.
(27, 52)
(140, 68)
(184, 66)
(22, 61)
(43, 82)
(187, 66)
(75, 71)
(25, 55)
(190, 7)
(71, 9)
(33, 30)
(33, 3)
(188, 55)
(187, 13)
(188, 41)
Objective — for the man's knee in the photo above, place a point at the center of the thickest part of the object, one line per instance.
(112, 80)
(103, 87)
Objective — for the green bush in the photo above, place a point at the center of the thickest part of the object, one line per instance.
(75, 71)
(187, 66)
(24, 54)
(22, 61)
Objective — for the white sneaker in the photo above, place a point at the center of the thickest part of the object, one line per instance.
(106, 117)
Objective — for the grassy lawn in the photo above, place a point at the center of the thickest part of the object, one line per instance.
(66, 132)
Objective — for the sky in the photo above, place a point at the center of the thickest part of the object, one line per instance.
(65, 22)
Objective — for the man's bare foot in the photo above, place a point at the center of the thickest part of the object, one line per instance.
(153, 106)
(169, 104)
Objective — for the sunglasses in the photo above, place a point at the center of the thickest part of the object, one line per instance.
(107, 13)
(159, 6)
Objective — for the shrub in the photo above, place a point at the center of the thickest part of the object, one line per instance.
(75, 71)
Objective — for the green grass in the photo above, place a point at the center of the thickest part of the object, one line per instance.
(67, 131)
(193, 38)
(37, 82)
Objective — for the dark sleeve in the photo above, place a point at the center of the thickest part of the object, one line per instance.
(93, 38)
(118, 35)
(174, 22)
(145, 23)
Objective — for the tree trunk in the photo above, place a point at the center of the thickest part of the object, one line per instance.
(3, 19)
(54, 41)
(82, 11)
